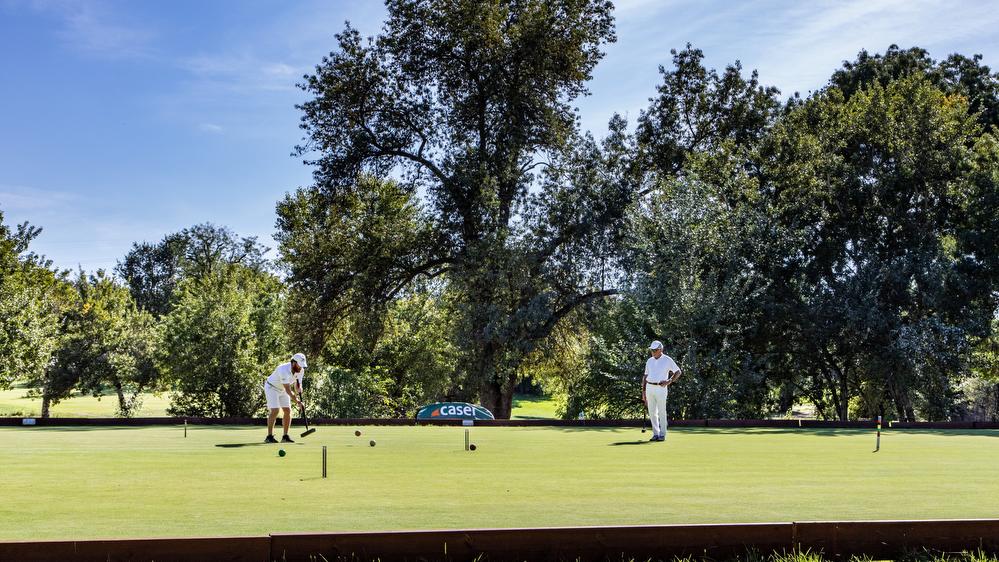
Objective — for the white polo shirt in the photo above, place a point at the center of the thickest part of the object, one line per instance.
(282, 375)
(658, 370)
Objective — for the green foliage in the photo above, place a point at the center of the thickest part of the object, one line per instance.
(220, 341)
(32, 300)
(416, 353)
(339, 392)
(410, 363)
(109, 344)
(464, 102)
(700, 226)
(981, 391)
(607, 382)
(955, 75)
(874, 191)
(840, 250)
(349, 255)
(152, 271)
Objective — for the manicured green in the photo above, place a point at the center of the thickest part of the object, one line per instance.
(129, 482)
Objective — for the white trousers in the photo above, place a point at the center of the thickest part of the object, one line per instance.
(656, 395)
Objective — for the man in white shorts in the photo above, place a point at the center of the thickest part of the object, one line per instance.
(660, 372)
(280, 388)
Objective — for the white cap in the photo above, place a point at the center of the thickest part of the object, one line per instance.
(656, 345)
(300, 359)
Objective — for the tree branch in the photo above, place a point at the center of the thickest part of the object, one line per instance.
(423, 269)
(417, 158)
(545, 329)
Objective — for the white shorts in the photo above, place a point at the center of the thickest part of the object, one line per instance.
(276, 398)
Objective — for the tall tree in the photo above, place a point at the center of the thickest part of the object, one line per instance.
(888, 278)
(33, 298)
(152, 271)
(468, 103)
(957, 74)
(219, 341)
(698, 238)
(109, 344)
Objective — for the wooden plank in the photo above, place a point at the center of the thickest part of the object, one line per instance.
(226, 549)
(565, 543)
(887, 539)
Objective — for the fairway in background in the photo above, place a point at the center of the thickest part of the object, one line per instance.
(15, 402)
(532, 407)
(88, 482)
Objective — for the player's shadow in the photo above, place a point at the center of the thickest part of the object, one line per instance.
(619, 443)
(256, 443)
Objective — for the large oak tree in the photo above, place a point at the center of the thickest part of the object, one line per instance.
(467, 106)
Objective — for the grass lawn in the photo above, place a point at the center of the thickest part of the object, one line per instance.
(85, 482)
(15, 402)
(528, 407)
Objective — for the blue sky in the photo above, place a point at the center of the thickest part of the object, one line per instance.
(125, 121)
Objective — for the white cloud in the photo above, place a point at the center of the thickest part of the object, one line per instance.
(21, 199)
(90, 28)
(242, 72)
(639, 8)
(280, 70)
(808, 43)
(210, 128)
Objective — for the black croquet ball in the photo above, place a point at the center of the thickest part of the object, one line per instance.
(471, 447)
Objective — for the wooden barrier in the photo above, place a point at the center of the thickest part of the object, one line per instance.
(565, 543)
(939, 425)
(751, 423)
(832, 539)
(891, 539)
(831, 424)
(231, 549)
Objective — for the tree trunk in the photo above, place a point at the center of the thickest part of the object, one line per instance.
(786, 402)
(497, 397)
(123, 406)
(45, 404)
(495, 387)
(896, 399)
(844, 397)
(903, 405)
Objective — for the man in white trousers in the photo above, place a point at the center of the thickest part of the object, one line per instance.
(660, 372)
(280, 388)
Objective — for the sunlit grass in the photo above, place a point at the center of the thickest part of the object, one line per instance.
(15, 402)
(79, 482)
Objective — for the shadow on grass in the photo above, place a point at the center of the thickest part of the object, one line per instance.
(96, 427)
(946, 432)
(254, 444)
(809, 431)
(640, 442)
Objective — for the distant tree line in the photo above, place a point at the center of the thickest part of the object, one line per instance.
(462, 235)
